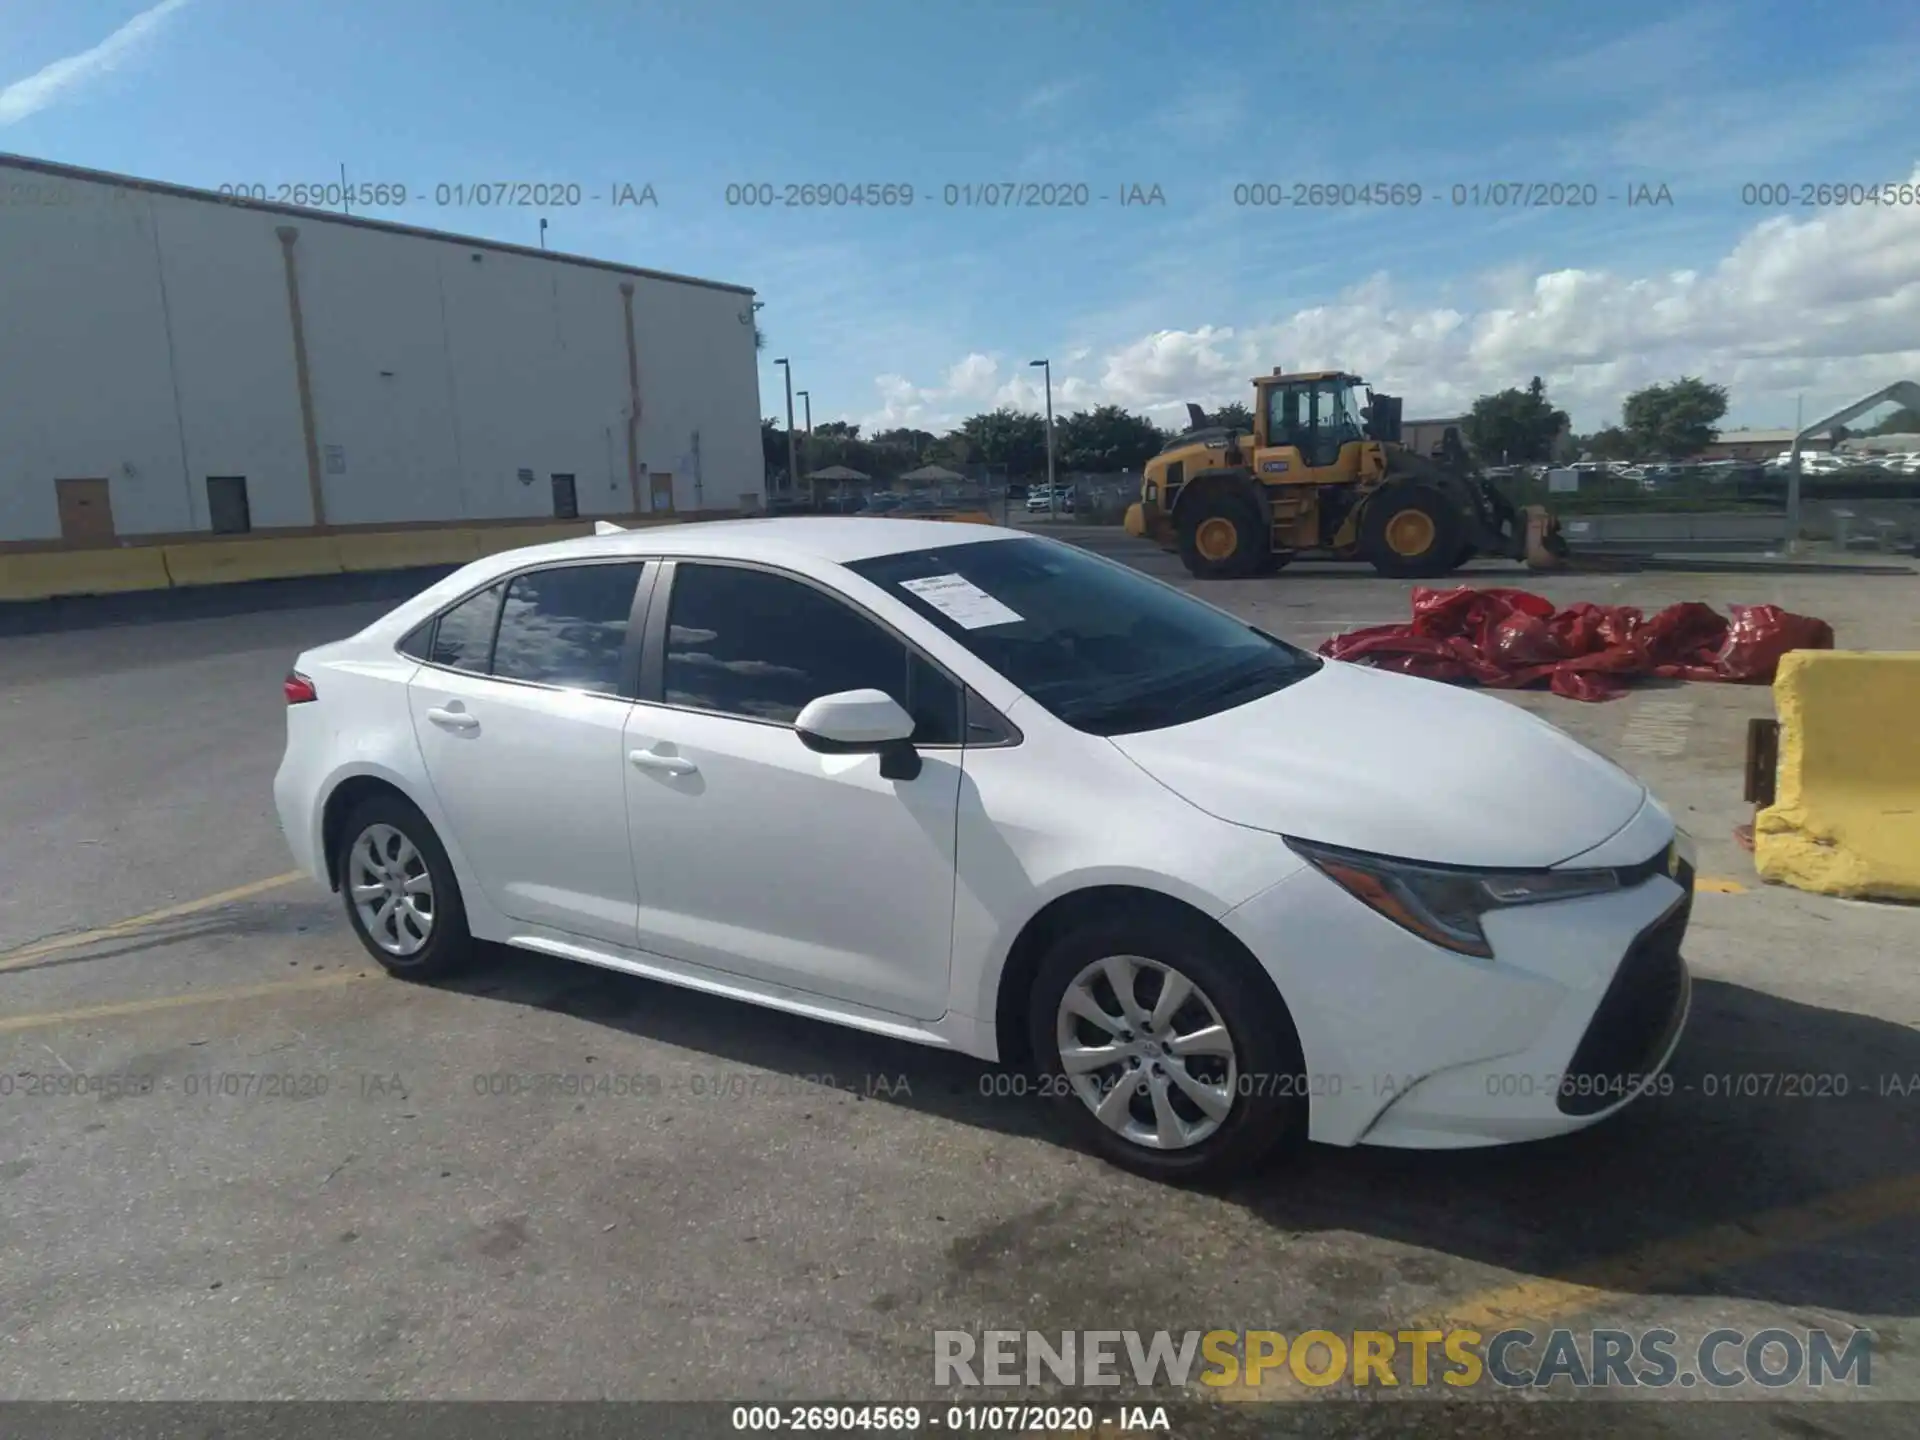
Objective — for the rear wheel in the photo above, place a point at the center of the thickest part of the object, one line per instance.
(1222, 536)
(401, 897)
(1411, 532)
(1171, 1056)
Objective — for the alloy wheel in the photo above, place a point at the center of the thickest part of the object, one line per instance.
(1146, 1051)
(392, 890)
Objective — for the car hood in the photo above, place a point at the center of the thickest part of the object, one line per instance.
(1416, 769)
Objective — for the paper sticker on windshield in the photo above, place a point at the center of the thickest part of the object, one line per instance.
(962, 602)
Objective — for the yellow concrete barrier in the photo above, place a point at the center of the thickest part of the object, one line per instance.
(48, 574)
(1846, 813)
(228, 562)
(492, 539)
(404, 549)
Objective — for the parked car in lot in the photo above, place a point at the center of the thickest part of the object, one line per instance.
(1039, 503)
(982, 790)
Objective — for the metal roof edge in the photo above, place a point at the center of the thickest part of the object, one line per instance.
(391, 227)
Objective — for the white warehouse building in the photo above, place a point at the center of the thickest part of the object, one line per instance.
(176, 364)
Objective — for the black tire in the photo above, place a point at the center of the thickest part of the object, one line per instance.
(1213, 506)
(1276, 561)
(1389, 508)
(449, 944)
(1268, 1111)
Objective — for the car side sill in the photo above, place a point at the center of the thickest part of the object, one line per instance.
(952, 1031)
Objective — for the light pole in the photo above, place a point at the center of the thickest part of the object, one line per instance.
(793, 463)
(813, 490)
(1792, 546)
(1053, 498)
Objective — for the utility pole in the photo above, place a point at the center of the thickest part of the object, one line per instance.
(1053, 497)
(1793, 478)
(793, 459)
(813, 487)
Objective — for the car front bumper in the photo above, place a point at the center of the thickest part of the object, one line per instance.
(1413, 1046)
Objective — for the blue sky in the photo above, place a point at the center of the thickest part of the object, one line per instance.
(924, 314)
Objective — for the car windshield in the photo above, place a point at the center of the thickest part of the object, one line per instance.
(1099, 645)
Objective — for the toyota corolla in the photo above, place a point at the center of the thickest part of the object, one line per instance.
(986, 791)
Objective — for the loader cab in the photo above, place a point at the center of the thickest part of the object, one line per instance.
(1304, 422)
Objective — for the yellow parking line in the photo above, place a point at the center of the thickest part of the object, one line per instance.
(176, 1002)
(13, 959)
(1662, 1263)
(1719, 885)
(1719, 1247)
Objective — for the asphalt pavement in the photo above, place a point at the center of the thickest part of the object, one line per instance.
(339, 1186)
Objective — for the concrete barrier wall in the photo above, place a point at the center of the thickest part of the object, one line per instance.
(1647, 528)
(1846, 813)
(42, 574)
(55, 574)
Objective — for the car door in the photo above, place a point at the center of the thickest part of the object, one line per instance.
(758, 856)
(520, 711)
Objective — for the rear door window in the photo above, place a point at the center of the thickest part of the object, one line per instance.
(567, 626)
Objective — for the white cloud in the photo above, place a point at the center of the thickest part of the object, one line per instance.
(1051, 95)
(53, 83)
(1828, 305)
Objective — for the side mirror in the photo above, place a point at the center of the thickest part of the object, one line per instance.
(861, 722)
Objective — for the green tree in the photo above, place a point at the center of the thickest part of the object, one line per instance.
(1009, 437)
(916, 443)
(773, 445)
(1612, 443)
(1674, 421)
(841, 429)
(1236, 416)
(1104, 440)
(1516, 426)
(953, 450)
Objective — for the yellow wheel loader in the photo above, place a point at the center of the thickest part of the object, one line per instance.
(1324, 473)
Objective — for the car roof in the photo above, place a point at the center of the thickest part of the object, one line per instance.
(836, 538)
(796, 539)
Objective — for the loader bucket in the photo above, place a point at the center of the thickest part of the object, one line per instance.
(1545, 547)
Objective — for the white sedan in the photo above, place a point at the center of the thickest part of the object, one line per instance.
(983, 790)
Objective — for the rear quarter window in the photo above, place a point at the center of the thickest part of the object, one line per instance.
(463, 637)
(419, 642)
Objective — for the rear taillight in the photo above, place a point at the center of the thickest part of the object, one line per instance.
(299, 689)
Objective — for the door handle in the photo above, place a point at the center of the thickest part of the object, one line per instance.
(453, 719)
(665, 764)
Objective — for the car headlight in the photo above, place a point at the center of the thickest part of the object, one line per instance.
(1442, 903)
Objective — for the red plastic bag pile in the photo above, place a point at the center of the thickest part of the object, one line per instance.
(1508, 639)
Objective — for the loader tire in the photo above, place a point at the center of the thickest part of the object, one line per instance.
(1222, 537)
(1412, 532)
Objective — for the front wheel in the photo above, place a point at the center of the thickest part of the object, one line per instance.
(1222, 536)
(1411, 532)
(401, 896)
(1172, 1057)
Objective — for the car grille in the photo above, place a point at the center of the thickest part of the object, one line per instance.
(1637, 1018)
